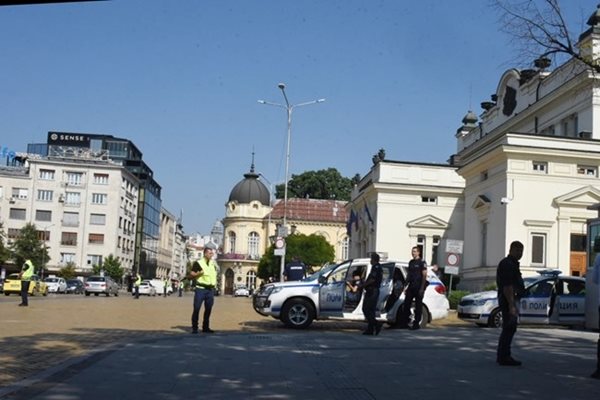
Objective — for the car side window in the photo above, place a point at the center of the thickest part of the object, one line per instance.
(541, 289)
(573, 287)
(339, 275)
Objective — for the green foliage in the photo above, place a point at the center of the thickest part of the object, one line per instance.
(490, 286)
(455, 296)
(29, 246)
(311, 249)
(68, 271)
(111, 267)
(4, 253)
(322, 184)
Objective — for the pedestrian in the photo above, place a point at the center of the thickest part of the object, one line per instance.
(371, 296)
(166, 283)
(510, 289)
(180, 288)
(204, 272)
(596, 280)
(136, 285)
(25, 276)
(416, 283)
(295, 270)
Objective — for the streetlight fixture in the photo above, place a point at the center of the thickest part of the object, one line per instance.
(289, 108)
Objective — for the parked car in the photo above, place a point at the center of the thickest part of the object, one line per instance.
(101, 285)
(75, 286)
(56, 285)
(12, 285)
(159, 285)
(549, 299)
(323, 295)
(147, 288)
(241, 290)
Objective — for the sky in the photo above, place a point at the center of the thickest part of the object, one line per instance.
(182, 80)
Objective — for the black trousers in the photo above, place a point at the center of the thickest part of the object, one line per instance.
(509, 327)
(207, 297)
(369, 309)
(24, 291)
(409, 296)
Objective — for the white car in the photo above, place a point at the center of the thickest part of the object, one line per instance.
(147, 288)
(549, 299)
(324, 295)
(241, 291)
(159, 285)
(56, 285)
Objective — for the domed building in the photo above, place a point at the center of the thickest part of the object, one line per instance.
(251, 218)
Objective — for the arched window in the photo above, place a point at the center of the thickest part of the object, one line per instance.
(232, 242)
(344, 247)
(251, 280)
(253, 245)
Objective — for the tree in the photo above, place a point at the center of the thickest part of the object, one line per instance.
(322, 184)
(111, 267)
(29, 246)
(540, 32)
(68, 271)
(4, 253)
(313, 250)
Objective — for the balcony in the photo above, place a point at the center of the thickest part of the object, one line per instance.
(238, 256)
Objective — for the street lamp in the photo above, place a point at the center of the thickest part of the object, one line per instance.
(289, 108)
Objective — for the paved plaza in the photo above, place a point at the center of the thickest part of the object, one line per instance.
(146, 352)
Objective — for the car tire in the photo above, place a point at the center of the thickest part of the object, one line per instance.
(35, 292)
(96, 294)
(297, 314)
(87, 293)
(495, 320)
(6, 294)
(116, 294)
(425, 317)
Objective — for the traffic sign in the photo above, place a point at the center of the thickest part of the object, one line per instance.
(454, 246)
(451, 270)
(452, 259)
(279, 243)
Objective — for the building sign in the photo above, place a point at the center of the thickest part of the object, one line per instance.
(68, 139)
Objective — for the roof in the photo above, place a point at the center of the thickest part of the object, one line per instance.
(312, 210)
(250, 189)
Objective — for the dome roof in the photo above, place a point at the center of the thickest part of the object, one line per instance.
(250, 189)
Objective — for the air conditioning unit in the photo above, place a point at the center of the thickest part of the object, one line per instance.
(61, 198)
(12, 200)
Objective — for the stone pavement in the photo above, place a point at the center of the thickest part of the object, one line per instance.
(91, 348)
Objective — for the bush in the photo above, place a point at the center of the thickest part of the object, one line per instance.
(455, 296)
(491, 286)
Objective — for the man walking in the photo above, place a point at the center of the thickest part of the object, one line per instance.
(204, 272)
(165, 288)
(416, 279)
(25, 276)
(510, 289)
(371, 296)
(136, 285)
(295, 270)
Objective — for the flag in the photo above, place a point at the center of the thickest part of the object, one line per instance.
(368, 213)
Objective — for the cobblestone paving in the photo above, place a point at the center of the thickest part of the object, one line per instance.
(57, 328)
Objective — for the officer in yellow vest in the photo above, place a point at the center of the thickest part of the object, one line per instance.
(136, 285)
(25, 276)
(204, 271)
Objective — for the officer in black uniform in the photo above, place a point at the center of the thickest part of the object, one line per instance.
(416, 280)
(510, 289)
(295, 270)
(371, 296)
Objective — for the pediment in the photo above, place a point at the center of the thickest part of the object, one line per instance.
(582, 197)
(480, 202)
(427, 221)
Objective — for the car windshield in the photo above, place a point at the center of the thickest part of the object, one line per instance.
(73, 281)
(324, 270)
(50, 280)
(96, 279)
(13, 276)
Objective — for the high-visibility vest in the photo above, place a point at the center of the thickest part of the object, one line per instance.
(209, 276)
(28, 270)
(138, 280)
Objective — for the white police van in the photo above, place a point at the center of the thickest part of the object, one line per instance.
(324, 295)
(549, 299)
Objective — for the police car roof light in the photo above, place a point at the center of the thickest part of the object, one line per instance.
(549, 272)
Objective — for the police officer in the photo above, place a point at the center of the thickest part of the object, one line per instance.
(510, 289)
(166, 282)
(371, 296)
(136, 285)
(295, 270)
(204, 272)
(416, 279)
(25, 275)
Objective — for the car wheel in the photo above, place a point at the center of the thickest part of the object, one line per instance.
(495, 320)
(87, 293)
(96, 294)
(116, 294)
(46, 293)
(6, 294)
(297, 313)
(35, 292)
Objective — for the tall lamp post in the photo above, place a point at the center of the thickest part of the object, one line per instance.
(289, 108)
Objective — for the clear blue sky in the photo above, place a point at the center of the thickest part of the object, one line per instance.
(181, 79)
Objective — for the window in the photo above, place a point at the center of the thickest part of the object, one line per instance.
(421, 245)
(72, 198)
(74, 178)
(345, 245)
(47, 174)
(570, 126)
(69, 239)
(538, 249)
(17, 213)
(43, 215)
(97, 219)
(578, 242)
(13, 233)
(253, 244)
(1, 192)
(96, 238)
(44, 195)
(43, 235)
(94, 259)
(232, 242)
(101, 179)
(251, 280)
(428, 199)
(587, 170)
(70, 219)
(541, 167)
(99, 198)
(20, 193)
(484, 226)
(67, 258)
(434, 250)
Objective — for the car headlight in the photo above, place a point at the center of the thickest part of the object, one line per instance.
(269, 290)
(480, 302)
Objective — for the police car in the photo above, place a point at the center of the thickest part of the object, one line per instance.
(325, 295)
(549, 299)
